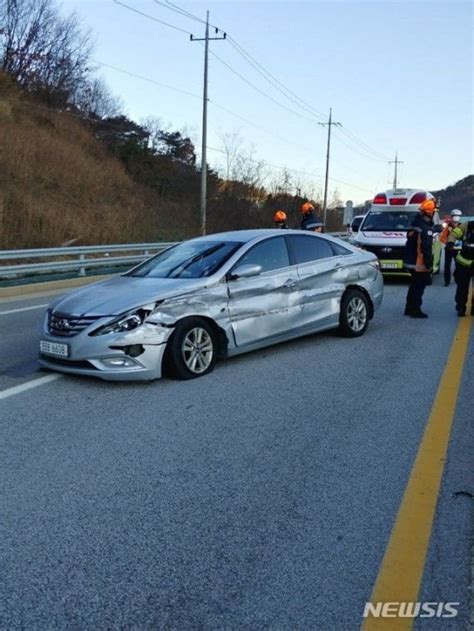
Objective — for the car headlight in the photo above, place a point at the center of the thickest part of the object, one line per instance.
(375, 264)
(126, 321)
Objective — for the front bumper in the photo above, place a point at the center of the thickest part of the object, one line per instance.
(89, 355)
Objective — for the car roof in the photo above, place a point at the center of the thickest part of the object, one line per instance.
(406, 191)
(244, 236)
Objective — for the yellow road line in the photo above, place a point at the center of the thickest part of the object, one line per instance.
(401, 571)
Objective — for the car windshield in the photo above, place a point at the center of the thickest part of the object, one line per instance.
(387, 221)
(191, 259)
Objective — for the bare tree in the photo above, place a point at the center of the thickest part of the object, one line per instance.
(248, 169)
(43, 50)
(231, 145)
(94, 98)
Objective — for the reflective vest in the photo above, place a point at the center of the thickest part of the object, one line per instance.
(466, 255)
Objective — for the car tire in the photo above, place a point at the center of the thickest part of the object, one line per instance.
(191, 351)
(354, 314)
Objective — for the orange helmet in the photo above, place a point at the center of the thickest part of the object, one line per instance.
(279, 216)
(307, 207)
(428, 207)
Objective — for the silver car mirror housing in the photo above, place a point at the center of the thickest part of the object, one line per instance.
(245, 271)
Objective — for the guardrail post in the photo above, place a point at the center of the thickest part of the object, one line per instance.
(82, 269)
(146, 253)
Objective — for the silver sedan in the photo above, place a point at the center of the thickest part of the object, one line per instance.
(208, 298)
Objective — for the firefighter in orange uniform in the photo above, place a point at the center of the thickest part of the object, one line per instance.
(419, 257)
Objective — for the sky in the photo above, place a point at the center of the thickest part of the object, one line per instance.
(397, 75)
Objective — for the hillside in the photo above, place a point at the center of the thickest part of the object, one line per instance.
(459, 195)
(67, 178)
(58, 183)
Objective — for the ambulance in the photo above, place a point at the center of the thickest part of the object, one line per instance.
(384, 228)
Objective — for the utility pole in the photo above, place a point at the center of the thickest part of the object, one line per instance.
(206, 40)
(396, 162)
(330, 123)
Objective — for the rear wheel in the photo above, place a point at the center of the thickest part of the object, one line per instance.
(192, 349)
(354, 316)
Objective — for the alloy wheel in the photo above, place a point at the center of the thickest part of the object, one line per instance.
(356, 314)
(197, 350)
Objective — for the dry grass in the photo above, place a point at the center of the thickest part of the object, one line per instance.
(58, 183)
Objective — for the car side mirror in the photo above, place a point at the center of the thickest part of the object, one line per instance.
(245, 271)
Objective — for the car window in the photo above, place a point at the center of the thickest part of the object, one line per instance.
(356, 223)
(383, 220)
(305, 249)
(271, 255)
(190, 259)
(340, 250)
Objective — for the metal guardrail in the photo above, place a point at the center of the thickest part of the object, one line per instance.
(85, 257)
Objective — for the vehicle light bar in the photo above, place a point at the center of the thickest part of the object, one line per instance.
(398, 201)
(381, 198)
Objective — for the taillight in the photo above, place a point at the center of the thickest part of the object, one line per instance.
(398, 201)
(418, 198)
(381, 198)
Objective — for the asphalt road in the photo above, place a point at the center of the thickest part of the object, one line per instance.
(261, 496)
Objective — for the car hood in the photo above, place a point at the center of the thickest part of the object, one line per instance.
(116, 295)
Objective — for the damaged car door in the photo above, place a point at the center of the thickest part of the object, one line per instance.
(263, 293)
(322, 275)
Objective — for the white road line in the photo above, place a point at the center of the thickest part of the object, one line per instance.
(9, 392)
(35, 296)
(23, 309)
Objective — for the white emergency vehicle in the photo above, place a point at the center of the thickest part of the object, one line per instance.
(384, 228)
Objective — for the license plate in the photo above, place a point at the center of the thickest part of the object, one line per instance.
(53, 348)
(389, 265)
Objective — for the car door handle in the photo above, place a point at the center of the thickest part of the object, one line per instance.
(290, 284)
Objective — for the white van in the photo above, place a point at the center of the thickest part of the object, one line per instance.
(384, 228)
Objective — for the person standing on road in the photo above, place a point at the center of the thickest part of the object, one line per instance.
(419, 258)
(279, 219)
(449, 251)
(309, 221)
(464, 264)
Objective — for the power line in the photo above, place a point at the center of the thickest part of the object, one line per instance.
(151, 17)
(356, 150)
(267, 75)
(276, 83)
(257, 89)
(266, 131)
(136, 76)
(355, 138)
(308, 173)
(211, 101)
(180, 11)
